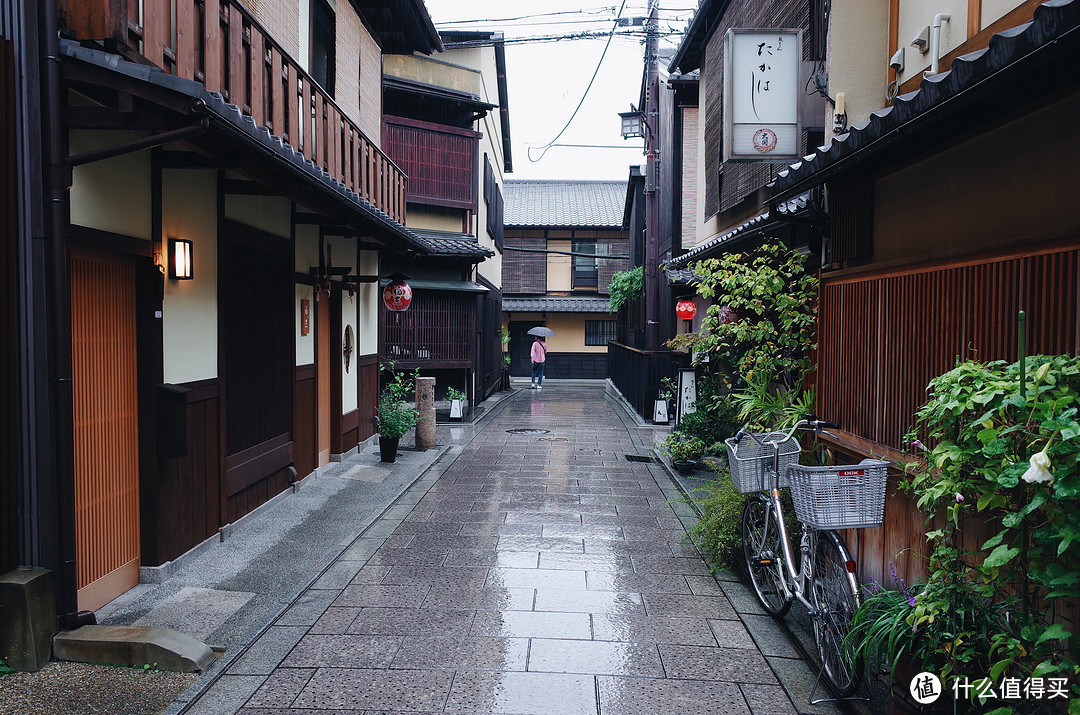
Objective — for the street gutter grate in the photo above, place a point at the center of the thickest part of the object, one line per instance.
(638, 458)
(522, 430)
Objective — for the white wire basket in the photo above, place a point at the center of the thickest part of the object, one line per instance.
(848, 496)
(750, 461)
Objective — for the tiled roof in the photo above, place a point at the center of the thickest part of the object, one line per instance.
(564, 203)
(980, 85)
(555, 305)
(442, 243)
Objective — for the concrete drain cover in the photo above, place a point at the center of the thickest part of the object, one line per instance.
(522, 430)
(638, 458)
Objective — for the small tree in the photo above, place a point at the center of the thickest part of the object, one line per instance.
(625, 286)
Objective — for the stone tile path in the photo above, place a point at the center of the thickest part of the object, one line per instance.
(540, 572)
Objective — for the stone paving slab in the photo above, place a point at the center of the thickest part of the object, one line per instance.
(530, 575)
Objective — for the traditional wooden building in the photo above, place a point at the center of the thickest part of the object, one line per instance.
(446, 123)
(563, 241)
(218, 214)
(949, 212)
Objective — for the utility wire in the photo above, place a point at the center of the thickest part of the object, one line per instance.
(585, 93)
(565, 253)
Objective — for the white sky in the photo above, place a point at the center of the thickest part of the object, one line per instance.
(545, 81)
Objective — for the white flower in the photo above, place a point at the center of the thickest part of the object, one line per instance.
(1039, 471)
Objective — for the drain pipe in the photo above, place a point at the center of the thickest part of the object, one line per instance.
(935, 41)
(57, 296)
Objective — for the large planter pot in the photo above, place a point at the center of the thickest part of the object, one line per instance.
(388, 448)
(685, 466)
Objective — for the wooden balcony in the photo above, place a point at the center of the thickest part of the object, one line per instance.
(441, 161)
(218, 43)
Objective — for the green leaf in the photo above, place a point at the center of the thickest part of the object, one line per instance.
(1000, 556)
(994, 540)
(1054, 632)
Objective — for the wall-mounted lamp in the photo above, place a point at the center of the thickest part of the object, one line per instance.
(180, 259)
(633, 123)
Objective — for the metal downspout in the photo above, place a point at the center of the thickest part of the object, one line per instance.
(56, 185)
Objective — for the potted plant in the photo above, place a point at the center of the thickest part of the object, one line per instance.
(394, 416)
(457, 402)
(684, 451)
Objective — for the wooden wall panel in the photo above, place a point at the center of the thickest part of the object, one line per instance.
(304, 421)
(367, 378)
(106, 426)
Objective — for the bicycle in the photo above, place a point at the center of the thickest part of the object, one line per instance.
(825, 499)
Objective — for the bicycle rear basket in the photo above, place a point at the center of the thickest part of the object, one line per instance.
(847, 496)
(750, 461)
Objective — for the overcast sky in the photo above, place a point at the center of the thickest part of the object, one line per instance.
(546, 80)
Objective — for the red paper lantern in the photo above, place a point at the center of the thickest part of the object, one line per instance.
(685, 309)
(397, 295)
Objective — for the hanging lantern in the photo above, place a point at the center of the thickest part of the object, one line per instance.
(685, 309)
(397, 295)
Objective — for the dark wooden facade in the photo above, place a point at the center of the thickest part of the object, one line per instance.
(437, 331)
(440, 161)
(9, 383)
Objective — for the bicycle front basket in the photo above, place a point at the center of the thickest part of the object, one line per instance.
(750, 461)
(847, 496)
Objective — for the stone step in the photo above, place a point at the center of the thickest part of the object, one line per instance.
(137, 646)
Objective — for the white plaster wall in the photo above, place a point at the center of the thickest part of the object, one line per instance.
(342, 252)
(367, 334)
(306, 253)
(914, 15)
(114, 194)
(434, 218)
(858, 58)
(272, 214)
(189, 312)
(994, 10)
(303, 57)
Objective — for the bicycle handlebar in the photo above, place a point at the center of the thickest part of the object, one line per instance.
(811, 422)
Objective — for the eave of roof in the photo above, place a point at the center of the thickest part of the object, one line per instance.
(555, 304)
(1049, 42)
(688, 55)
(228, 118)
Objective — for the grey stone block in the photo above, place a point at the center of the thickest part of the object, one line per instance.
(27, 618)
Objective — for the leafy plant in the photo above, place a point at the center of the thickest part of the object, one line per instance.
(761, 322)
(452, 393)
(718, 533)
(682, 447)
(394, 416)
(1003, 461)
(702, 425)
(762, 405)
(625, 286)
(6, 669)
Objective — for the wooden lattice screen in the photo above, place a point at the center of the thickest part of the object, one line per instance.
(884, 334)
(438, 326)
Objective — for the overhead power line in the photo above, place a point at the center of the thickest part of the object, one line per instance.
(565, 253)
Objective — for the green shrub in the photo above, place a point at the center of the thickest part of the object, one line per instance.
(682, 447)
(452, 393)
(625, 286)
(718, 533)
(702, 425)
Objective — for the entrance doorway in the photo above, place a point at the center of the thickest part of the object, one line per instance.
(106, 421)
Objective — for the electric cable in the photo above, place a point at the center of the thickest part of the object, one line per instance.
(584, 94)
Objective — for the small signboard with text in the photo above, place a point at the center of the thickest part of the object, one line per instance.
(761, 95)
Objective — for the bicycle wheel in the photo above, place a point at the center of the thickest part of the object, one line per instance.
(836, 597)
(764, 555)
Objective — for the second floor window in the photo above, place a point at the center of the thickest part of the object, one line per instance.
(585, 274)
(323, 48)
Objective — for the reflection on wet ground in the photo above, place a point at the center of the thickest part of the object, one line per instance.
(536, 574)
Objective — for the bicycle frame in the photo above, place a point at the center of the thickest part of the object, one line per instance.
(795, 583)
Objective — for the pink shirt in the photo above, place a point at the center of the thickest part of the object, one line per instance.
(539, 351)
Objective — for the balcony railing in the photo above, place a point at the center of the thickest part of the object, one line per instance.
(441, 161)
(219, 43)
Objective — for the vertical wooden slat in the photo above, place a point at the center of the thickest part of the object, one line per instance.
(292, 107)
(237, 65)
(280, 95)
(215, 70)
(974, 18)
(258, 77)
(187, 46)
(306, 118)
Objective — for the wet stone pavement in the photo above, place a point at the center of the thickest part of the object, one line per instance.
(538, 573)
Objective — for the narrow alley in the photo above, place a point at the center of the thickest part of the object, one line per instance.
(540, 572)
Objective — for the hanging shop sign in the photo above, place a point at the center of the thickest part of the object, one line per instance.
(397, 295)
(761, 95)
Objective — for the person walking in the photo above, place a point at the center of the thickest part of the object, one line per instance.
(538, 355)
